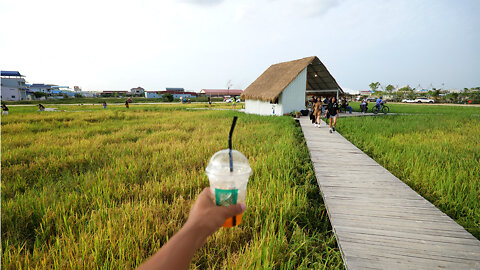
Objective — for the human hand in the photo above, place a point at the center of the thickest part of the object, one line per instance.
(206, 217)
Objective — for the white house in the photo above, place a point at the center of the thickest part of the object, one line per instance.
(137, 91)
(12, 86)
(284, 87)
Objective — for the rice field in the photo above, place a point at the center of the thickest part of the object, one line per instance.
(93, 188)
(435, 150)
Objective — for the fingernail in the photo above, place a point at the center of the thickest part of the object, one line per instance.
(243, 206)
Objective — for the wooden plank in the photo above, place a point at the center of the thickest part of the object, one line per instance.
(418, 255)
(379, 221)
(395, 261)
(428, 228)
(356, 228)
(456, 250)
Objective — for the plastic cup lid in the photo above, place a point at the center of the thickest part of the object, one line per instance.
(220, 163)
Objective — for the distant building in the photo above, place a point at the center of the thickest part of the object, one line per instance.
(13, 86)
(61, 91)
(152, 94)
(454, 90)
(366, 92)
(114, 93)
(61, 88)
(175, 94)
(221, 92)
(88, 93)
(40, 87)
(137, 91)
(175, 89)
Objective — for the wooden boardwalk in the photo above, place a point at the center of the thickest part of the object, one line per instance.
(379, 221)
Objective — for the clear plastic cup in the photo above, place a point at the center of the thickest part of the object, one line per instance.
(229, 187)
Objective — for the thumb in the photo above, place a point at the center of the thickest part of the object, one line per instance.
(233, 210)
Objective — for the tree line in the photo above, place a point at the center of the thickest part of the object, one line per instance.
(390, 92)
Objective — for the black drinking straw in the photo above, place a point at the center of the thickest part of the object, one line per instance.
(230, 142)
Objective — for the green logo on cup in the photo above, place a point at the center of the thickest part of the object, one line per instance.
(226, 197)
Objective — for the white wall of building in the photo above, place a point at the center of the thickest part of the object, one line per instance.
(152, 95)
(262, 107)
(13, 94)
(293, 97)
(13, 89)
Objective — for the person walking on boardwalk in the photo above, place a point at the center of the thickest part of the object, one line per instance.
(4, 109)
(313, 101)
(317, 112)
(41, 107)
(209, 103)
(104, 105)
(312, 110)
(127, 104)
(332, 113)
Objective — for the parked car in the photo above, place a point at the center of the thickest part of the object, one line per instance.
(230, 100)
(408, 100)
(424, 100)
(371, 99)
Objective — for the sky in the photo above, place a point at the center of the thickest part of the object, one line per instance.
(197, 44)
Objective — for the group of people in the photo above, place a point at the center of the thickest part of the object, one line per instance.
(41, 108)
(329, 108)
(378, 104)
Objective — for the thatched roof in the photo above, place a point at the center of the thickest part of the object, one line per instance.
(276, 78)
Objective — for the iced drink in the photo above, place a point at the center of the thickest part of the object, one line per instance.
(229, 186)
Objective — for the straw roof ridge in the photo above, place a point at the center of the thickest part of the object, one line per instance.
(277, 77)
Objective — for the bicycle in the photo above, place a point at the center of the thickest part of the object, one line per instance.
(383, 108)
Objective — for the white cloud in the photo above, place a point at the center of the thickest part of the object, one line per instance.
(203, 2)
(282, 10)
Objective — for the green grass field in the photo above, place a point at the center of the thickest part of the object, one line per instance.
(436, 151)
(88, 187)
(93, 188)
(108, 100)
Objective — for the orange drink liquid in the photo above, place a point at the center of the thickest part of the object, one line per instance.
(232, 221)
